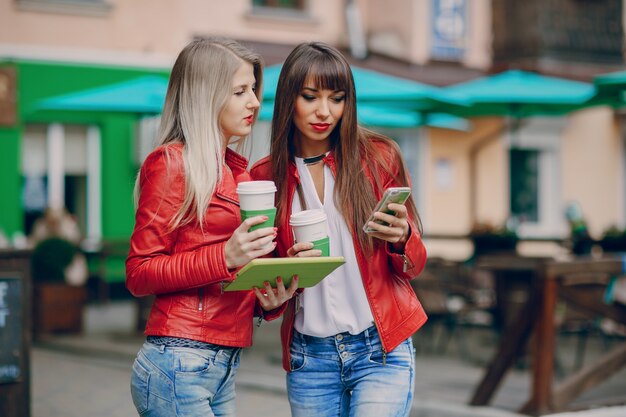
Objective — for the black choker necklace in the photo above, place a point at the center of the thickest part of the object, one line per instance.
(314, 159)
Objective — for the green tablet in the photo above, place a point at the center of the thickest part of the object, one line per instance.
(310, 271)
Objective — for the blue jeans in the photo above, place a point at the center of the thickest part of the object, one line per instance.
(344, 375)
(177, 381)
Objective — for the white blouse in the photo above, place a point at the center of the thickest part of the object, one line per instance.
(338, 303)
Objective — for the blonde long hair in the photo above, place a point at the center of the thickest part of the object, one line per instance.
(199, 88)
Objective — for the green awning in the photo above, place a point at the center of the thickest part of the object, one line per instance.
(611, 89)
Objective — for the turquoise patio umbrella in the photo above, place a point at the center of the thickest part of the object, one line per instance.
(144, 95)
(384, 101)
(519, 94)
(376, 115)
(376, 87)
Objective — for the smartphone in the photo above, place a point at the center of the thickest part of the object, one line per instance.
(397, 195)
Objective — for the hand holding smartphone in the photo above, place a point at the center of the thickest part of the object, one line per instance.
(397, 195)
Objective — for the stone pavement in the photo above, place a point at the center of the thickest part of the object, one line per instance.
(88, 374)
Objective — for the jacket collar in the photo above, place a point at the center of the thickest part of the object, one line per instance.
(234, 170)
(235, 160)
(328, 160)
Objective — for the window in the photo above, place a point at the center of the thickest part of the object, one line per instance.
(282, 4)
(449, 29)
(82, 7)
(74, 182)
(525, 184)
(534, 197)
(289, 10)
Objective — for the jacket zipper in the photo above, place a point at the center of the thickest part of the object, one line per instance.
(200, 302)
(405, 267)
(359, 256)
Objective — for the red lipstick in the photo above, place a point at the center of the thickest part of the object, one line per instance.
(320, 127)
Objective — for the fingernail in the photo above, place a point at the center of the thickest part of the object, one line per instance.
(266, 283)
(265, 218)
(279, 279)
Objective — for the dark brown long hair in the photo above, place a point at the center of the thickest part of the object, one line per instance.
(354, 196)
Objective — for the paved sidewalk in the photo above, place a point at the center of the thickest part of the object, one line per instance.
(71, 374)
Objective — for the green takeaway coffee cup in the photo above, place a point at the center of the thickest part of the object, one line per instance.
(311, 226)
(257, 198)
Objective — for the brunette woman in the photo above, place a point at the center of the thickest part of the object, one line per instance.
(347, 341)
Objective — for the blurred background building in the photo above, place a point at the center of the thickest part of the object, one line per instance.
(79, 80)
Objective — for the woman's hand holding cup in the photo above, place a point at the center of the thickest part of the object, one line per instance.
(244, 246)
(303, 250)
(310, 229)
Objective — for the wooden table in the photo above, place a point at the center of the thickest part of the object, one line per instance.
(548, 280)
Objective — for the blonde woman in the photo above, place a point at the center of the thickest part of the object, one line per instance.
(188, 237)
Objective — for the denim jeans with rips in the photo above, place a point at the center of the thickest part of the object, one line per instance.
(178, 381)
(350, 375)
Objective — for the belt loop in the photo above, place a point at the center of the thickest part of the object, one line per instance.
(368, 340)
(161, 348)
(235, 354)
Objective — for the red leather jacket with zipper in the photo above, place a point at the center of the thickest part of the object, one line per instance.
(397, 311)
(184, 267)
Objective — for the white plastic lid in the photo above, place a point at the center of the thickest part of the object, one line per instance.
(306, 217)
(256, 187)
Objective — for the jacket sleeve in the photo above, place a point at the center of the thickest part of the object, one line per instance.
(152, 267)
(409, 264)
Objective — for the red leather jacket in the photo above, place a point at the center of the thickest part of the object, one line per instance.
(397, 311)
(184, 267)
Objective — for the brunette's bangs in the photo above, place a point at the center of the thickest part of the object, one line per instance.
(330, 75)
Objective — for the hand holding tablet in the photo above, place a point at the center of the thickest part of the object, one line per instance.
(310, 271)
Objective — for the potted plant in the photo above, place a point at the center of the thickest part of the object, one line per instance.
(580, 241)
(488, 239)
(57, 305)
(613, 240)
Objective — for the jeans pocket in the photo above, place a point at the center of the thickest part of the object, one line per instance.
(194, 361)
(297, 360)
(139, 387)
(401, 357)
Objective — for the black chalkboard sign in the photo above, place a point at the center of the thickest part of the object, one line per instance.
(10, 329)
